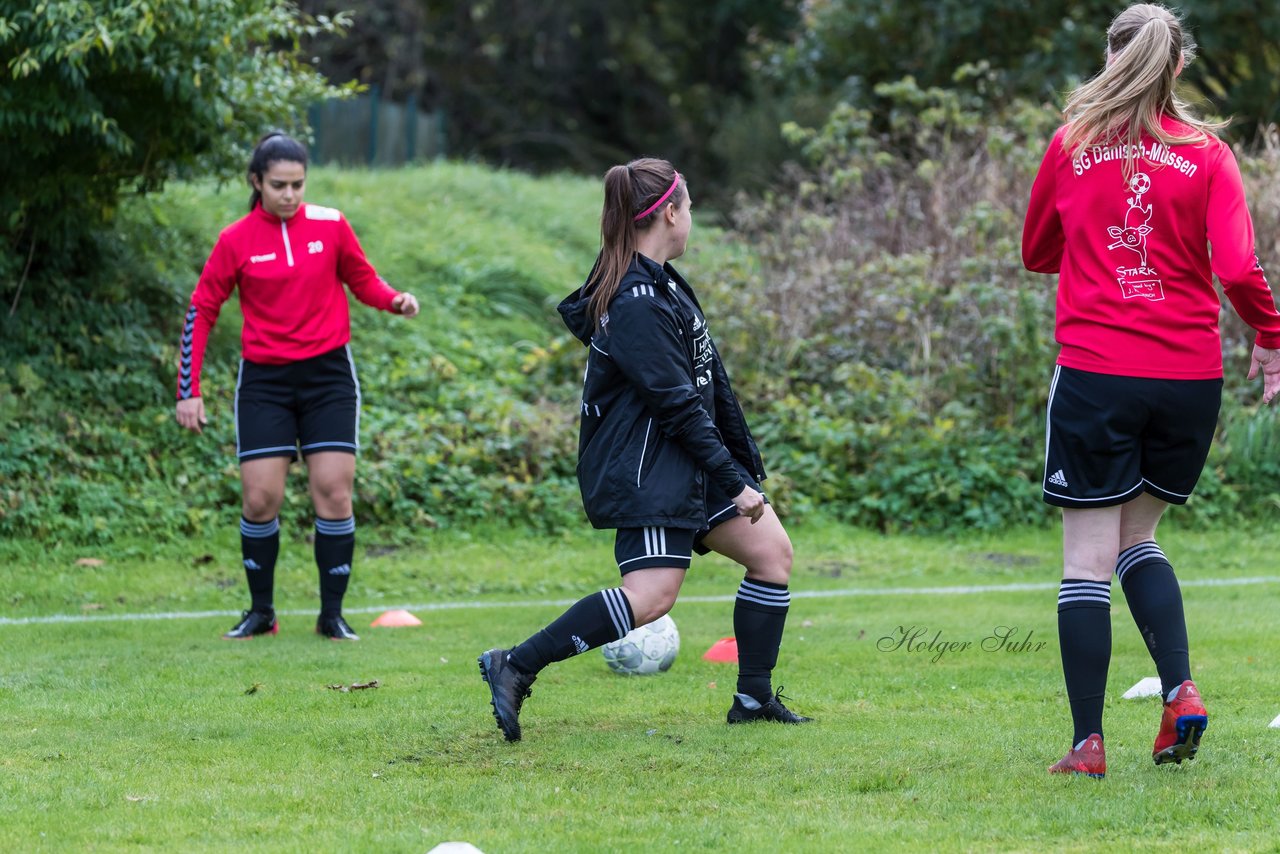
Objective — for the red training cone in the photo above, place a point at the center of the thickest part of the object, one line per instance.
(725, 649)
(395, 619)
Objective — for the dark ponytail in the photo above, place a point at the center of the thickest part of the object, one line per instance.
(273, 148)
(628, 190)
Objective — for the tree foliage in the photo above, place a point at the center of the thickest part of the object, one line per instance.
(384, 46)
(581, 84)
(105, 96)
(595, 81)
(844, 49)
(1239, 63)
(578, 84)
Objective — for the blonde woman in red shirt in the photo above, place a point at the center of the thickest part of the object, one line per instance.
(1136, 206)
(297, 391)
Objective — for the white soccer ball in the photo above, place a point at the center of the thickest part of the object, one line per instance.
(1140, 183)
(649, 649)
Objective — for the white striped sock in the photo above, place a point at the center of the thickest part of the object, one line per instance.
(1134, 555)
(1077, 591)
(761, 595)
(619, 609)
(259, 530)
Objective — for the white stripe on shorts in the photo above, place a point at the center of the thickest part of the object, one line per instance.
(235, 406)
(356, 380)
(647, 557)
(1048, 421)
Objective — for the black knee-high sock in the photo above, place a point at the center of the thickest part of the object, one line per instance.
(1084, 633)
(589, 622)
(1155, 600)
(759, 614)
(335, 547)
(259, 547)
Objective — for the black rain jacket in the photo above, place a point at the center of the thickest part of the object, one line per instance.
(658, 413)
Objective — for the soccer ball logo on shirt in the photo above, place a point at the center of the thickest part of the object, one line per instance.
(1140, 183)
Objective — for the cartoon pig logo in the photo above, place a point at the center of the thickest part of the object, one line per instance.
(1133, 236)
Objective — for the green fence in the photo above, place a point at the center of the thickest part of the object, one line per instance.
(369, 131)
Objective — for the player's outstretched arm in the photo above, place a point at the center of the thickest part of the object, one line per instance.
(1269, 363)
(191, 414)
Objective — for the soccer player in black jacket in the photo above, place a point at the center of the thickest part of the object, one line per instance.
(664, 456)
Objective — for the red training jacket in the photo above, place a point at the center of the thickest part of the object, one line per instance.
(290, 275)
(1135, 286)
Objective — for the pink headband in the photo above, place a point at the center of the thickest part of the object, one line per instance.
(658, 203)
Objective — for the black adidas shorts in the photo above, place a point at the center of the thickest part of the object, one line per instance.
(641, 548)
(645, 548)
(720, 507)
(305, 406)
(1110, 438)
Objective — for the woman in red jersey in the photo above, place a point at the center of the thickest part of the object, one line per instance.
(297, 389)
(1131, 191)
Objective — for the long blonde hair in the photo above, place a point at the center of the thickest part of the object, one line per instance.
(1145, 46)
(628, 191)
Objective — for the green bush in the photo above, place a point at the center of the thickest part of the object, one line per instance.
(101, 96)
(860, 447)
(894, 353)
(849, 49)
(891, 356)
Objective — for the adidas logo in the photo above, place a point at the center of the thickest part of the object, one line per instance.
(250, 563)
(345, 569)
(1057, 478)
(579, 644)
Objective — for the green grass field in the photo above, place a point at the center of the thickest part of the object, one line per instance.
(152, 733)
(126, 723)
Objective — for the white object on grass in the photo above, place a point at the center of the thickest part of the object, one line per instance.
(649, 649)
(1148, 687)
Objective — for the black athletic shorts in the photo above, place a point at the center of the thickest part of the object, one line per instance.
(1110, 438)
(645, 548)
(306, 406)
(642, 548)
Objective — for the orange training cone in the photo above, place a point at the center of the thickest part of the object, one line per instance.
(725, 649)
(396, 618)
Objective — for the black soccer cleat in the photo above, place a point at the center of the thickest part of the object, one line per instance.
(746, 709)
(334, 627)
(508, 687)
(252, 624)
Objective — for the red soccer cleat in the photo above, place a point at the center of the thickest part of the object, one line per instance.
(1088, 757)
(1181, 726)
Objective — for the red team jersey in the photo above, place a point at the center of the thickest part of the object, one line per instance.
(1135, 289)
(290, 274)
